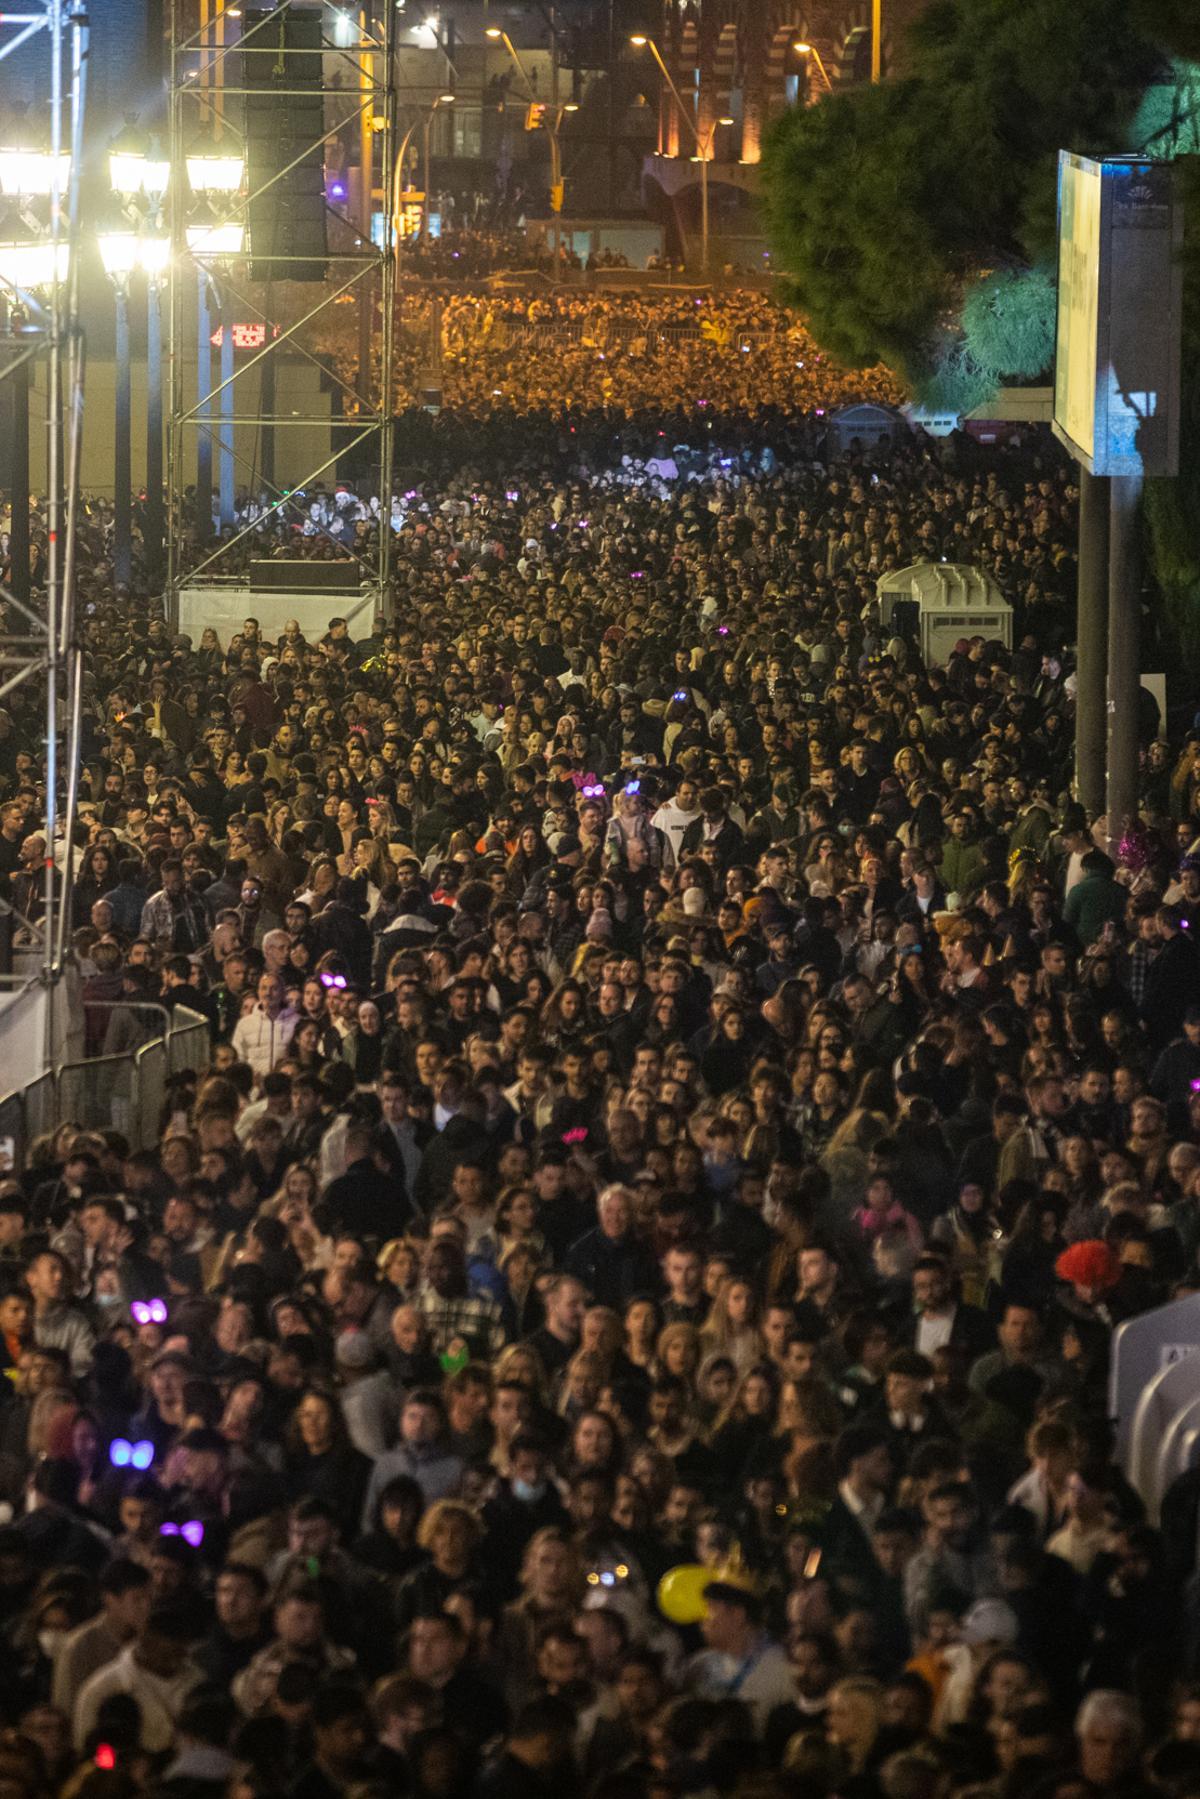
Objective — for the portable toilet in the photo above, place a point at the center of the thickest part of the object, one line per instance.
(939, 602)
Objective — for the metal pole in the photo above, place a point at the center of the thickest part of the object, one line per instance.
(122, 449)
(387, 310)
(225, 437)
(425, 208)
(203, 409)
(704, 207)
(1091, 643)
(555, 160)
(69, 646)
(366, 129)
(54, 596)
(154, 434)
(1124, 628)
(556, 198)
(701, 147)
(18, 543)
(876, 39)
(266, 406)
(610, 122)
(174, 522)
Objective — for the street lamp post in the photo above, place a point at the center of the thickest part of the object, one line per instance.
(421, 122)
(119, 254)
(155, 255)
(214, 169)
(442, 100)
(139, 178)
(27, 266)
(204, 448)
(551, 120)
(18, 538)
(225, 495)
(811, 50)
(703, 140)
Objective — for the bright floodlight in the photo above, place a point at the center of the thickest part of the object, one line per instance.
(26, 173)
(215, 240)
(119, 253)
(214, 172)
(154, 255)
(31, 265)
(131, 172)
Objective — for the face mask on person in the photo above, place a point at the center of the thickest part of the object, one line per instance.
(50, 1642)
(528, 1491)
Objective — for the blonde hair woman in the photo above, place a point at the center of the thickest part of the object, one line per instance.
(678, 1350)
(845, 1159)
(551, 1587)
(732, 1324)
(853, 1721)
(522, 1364)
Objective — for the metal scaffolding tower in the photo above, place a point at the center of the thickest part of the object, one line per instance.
(225, 269)
(39, 273)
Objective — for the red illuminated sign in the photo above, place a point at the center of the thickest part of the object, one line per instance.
(245, 337)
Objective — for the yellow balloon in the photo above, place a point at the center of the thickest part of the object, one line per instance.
(681, 1592)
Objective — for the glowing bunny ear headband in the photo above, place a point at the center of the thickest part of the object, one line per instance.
(192, 1532)
(123, 1454)
(149, 1311)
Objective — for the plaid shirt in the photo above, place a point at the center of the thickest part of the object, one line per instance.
(475, 1318)
(1141, 955)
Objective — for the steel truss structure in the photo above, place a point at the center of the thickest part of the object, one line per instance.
(41, 329)
(208, 86)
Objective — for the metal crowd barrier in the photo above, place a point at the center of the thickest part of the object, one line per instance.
(124, 1090)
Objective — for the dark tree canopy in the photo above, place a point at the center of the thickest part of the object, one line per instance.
(915, 220)
(884, 204)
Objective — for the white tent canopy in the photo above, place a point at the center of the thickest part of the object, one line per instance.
(953, 600)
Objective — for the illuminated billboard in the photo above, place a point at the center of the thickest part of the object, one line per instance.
(1116, 368)
(1078, 300)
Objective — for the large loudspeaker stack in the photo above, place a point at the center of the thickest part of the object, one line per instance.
(284, 125)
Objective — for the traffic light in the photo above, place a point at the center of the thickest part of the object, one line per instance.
(535, 115)
(411, 213)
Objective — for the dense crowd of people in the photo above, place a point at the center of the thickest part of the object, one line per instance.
(628, 352)
(628, 1301)
(459, 252)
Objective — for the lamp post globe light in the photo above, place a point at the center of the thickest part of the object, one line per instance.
(32, 264)
(119, 254)
(138, 177)
(216, 171)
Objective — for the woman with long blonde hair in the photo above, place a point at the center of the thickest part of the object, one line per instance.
(732, 1324)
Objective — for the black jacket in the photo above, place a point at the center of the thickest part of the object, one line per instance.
(1173, 984)
(612, 1272)
(343, 931)
(364, 1203)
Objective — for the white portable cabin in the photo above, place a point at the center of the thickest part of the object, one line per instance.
(953, 600)
(869, 423)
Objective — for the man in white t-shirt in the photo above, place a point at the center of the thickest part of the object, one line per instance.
(674, 816)
(741, 1661)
